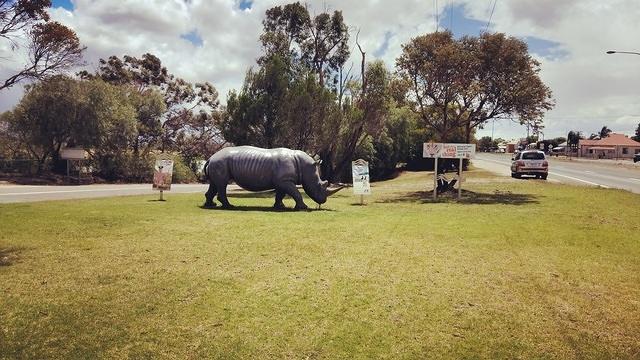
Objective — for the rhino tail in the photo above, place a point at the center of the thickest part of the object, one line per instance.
(204, 170)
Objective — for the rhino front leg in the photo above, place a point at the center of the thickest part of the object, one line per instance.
(209, 195)
(290, 189)
(279, 196)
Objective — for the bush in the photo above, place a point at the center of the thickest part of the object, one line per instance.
(182, 173)
(139, 168)
(124, 167)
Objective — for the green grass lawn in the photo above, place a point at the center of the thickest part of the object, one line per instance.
(517, 269)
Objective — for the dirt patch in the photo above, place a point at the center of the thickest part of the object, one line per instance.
(9, 256)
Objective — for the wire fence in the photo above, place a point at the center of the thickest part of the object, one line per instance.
(18, 167)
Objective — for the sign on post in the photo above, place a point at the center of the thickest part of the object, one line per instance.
(448, 151)
(360, 174)
(73, 154)
(162, 174)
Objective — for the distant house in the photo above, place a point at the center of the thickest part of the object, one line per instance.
(614, 146)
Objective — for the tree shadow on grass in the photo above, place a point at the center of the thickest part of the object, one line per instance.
(9, 256)
(468, 197)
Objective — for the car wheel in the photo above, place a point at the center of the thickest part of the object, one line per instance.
(518, 176)
(513, 175)
(544, 177)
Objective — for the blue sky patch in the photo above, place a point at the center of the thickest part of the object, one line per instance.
(194, 38)
(66, 4)
(380, 51)
(245, 4)
(546, 48)
(454, 19)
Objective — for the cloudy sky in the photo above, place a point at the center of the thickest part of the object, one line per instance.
(217, 41)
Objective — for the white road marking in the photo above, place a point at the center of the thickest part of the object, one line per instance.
(68, 191)
(556, 174)
(75, 191)
(576, 179)
(634, 179)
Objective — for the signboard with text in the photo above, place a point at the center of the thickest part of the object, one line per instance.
(449, 150)
(162, 174)
(360, 173)
(73, 154)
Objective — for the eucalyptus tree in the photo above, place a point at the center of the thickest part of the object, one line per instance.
(181, 99)
(51, 48)
(463, 83)
(62, 111)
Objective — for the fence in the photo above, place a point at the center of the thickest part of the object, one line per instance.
(18, 167)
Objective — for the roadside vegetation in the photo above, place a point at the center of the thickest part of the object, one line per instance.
(516, 269)
(306, 91)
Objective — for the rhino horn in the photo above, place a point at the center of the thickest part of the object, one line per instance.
(335, 190)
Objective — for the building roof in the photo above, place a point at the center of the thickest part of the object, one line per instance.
(612, 140)
(588, 142)
(618, 139)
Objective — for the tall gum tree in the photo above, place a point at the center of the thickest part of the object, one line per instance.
(51, 47)
(463, 83)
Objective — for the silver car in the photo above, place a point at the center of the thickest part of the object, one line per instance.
(530, 162)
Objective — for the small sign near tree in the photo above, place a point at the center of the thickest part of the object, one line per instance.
(73, 154)
(162, 174)
(448, 151)
(360, 174)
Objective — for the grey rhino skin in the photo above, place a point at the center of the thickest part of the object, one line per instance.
(257, 169)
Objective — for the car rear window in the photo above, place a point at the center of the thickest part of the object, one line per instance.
(532, 156)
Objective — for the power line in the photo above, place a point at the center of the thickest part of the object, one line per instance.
(491, 15)
(436, 14)
(451, 15)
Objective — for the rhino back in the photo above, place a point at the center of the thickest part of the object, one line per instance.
(255, 168)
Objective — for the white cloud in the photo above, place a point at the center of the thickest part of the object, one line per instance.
(591, 89)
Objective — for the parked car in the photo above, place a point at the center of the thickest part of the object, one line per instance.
(558, 150)
(636, 157)
(529, 162)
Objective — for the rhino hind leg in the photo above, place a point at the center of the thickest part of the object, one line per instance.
(290, 189)
(279, 196)
(222, 196)
(209, 195)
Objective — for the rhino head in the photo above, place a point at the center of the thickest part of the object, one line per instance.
(317, 189)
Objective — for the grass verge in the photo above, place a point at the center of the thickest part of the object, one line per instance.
(517, 269)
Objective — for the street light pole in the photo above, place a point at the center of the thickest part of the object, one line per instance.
(622, 52)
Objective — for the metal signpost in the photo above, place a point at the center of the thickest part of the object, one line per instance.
(70, 154)
(162, 174)
(448, 151)
(360, 174)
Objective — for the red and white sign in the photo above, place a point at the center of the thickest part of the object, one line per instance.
(431, 150)
(449, 150)
(162, 175)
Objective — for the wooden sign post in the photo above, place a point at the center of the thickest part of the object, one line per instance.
(163, 172)
(448, 151)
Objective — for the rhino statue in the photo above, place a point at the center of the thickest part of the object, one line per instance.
(257, 169)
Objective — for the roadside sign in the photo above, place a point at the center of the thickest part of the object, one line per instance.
(72, 154)
(360, 174)
(449, 150)
(431, 150)
(162, 175)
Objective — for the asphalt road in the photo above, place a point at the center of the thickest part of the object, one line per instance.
(607, 174)
(28, 193)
